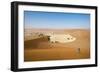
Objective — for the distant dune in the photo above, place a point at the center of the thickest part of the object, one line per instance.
(40, 49)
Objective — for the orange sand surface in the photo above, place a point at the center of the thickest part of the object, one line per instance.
(41, 49)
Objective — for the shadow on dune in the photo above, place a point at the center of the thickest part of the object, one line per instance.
(34, 43)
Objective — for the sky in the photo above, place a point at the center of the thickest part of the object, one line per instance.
(56, 20)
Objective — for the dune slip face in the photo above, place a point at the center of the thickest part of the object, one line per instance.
(61, 45)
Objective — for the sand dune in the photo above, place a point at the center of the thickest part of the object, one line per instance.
(41, 49)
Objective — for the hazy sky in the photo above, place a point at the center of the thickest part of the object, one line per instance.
(56, 20)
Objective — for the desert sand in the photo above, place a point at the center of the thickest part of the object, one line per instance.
(40, 49)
